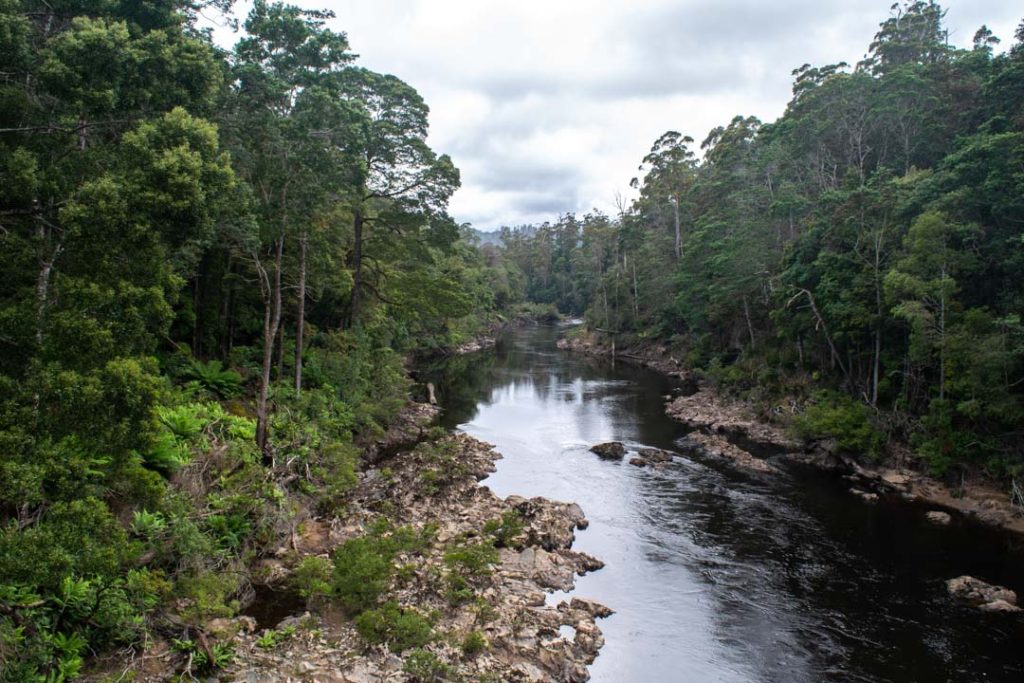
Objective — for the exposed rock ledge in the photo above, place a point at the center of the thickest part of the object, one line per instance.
(984, 596)
(730, 429)
(474, 345)
(523, 633)
(708, 411)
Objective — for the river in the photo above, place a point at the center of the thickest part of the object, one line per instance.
(721, 575)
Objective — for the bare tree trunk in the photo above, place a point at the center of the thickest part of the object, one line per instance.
(43, 290)
(357, 267)
(301, 325)
(280, 355)
(679, 236)
(196, 299)
(942, 337)
(271, 322)
(750, 326)
(836, 358)
(227, 304)
(636, 296)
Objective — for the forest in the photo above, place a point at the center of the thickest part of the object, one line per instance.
(220, 263)
(216, 264)
(861, 255)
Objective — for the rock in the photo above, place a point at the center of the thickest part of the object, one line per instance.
(985, 596)
(654, 455)
(865, 495)
(938, 517)
(611, 450)
(999, 606)
(638, 462)
(897, 480)
(227, 628)
(591, 607)
(718, 445)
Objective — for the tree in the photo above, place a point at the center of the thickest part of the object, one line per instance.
(403, 183)
(292, 132)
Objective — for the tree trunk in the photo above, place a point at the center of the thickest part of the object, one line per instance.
(679, 236)
(357, 267)
(227, 306)
(271, 322)
(636, 296)
(942, 337)
(196, 303)
(836, 358)
(750, 325)
(300, 326)
(43, 291)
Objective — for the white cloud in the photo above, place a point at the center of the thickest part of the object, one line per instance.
(547, 106)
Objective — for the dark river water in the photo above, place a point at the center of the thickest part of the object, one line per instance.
(719, 575)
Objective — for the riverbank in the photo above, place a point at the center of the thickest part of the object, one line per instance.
(734, 430)
(435, 488)
(479, 578)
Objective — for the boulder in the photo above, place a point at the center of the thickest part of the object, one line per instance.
(985, 596)
(638, 462)
(611, 450)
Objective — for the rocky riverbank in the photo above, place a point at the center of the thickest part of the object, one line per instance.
(731, 429)
(497, 625)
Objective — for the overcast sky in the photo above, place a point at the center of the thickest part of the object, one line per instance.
(548, 106)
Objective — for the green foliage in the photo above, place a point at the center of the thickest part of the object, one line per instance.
(312, 578)
(474, 643)
(401, 629)
(835, 416)
(472, 558)
(214, 378)
(207, 595)
(362, 571)
(146, 177)
(271, 638)
(363, 566)
(424, 666)
(221, 654)
(507, 531)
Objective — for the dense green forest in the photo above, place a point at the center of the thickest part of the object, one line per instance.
(219, 262)
(869, 243)
(215, 265)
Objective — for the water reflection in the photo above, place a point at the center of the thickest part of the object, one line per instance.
(720, 576)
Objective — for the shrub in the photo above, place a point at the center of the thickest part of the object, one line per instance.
(363, 566)
(362, 570)
(837, 416)
(474, 643)
(506, 530)
(472, 558)
(401, 629)
(312, 578)
(222, 654)
(425, 667)
(213, 377)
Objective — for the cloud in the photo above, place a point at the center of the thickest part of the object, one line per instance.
(547, 106)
